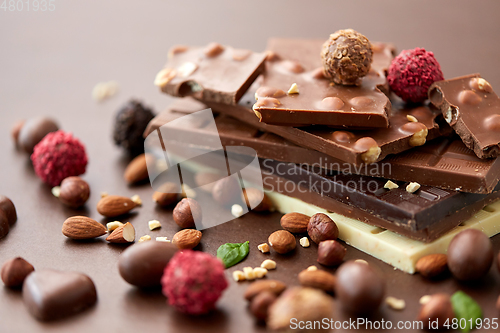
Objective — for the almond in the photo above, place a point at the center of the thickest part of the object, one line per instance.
(114, 205)
(82, 227)
(137, 169)
(432, 265)
(187, 238)
(282, 241)
(122, 234)
(167, 194)
(295, 222)
(318, 279)
(274, 286)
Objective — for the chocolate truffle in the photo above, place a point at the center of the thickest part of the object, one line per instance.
(470, 255)
(7, 206)
(130, 123)
(346, 56)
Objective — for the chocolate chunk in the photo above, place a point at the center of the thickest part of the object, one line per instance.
(470, 106)
(130, 123)
(34, 130)
(7, 206)
(50, 294)
(142, 264)
(15, 271)
(216, 73)
(319, 102)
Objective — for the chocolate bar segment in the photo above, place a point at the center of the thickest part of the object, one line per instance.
(213, 73)
(471, 107)
(296, 93)
(443, 162)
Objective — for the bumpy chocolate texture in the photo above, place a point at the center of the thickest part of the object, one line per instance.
(347, 56)
(320, 102)
(471, 107)
(215, 73)
(444, 162)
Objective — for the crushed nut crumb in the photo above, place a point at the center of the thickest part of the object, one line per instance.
(264, 248)
(425, 299)
(144, 238)
(268, 264)
(304, 242)
(412, 187)
(259, 272)
(137, 199)
(391, 185)
(113, 225)
(294, 89)
(236, 210)
(238, 276)
(154, 224)
(395, 303)
(162, 239)
(249, 273)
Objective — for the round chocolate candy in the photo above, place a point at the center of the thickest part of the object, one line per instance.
(142, 264)
(359, 288)
(470, 255)
(4, 224)
(347, 56)
(34, 130)
(7, 206)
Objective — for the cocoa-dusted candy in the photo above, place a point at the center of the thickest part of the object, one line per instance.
(472, 108)
(347, 56)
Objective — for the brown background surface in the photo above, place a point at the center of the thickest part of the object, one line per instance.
(49, 63)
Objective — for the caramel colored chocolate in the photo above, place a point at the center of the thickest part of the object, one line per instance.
(443, 162)
(214, 73)
(472, 108)
(320, 102)
(50, 294)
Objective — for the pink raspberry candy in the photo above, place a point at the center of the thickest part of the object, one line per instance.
(193, 281)
(411, 74)
(59, 155)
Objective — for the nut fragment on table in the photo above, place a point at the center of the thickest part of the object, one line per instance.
(304, 242)
(104, 90)
(154, 224)
(390, 185)
(113, 225)
(162, 239)
(412, 187)
(237, 210)
(425, 299)
(144, 238)
(395, 303)
(264, 248)
(268, 264)
(249, 273)
(137, 199)
(260, 272)
(238, 276)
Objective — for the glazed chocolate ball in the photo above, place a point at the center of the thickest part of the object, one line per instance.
(33, 131)
(130, 123)
(359, 288)
(470, 255)
(346, 56)
(7, 206)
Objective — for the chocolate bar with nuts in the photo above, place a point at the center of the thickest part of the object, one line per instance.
(295, 92)
(443, 162)
(213, 73)
(472, 108)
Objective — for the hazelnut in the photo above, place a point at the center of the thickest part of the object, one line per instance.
(282, 241)
(227, 191)
(15, 131)
(321, 228)
(331, 253)
(167, 194)
(318, 279)
(437, 308)
(15, 271)
(257, 200)
(186, 213)
(260, 304)
(74, 192)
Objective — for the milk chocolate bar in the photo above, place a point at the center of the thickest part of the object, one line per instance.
(443, 162)
(472, 108)
(295, 92)
(213, 73)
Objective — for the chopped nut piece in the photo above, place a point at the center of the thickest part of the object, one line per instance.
(268, 264)
(154, 224)
(425, 299)
(236, 210)
(187, 69)
(162, 239)
(391, 185)
(361, 261)
(104, 194)
(164, 77)
(411, 118)
(371, 155)
(104, 90)
(249, 273)
(238, 276)
(144, 238)
(113, 225)
(419, 138)
(304, 241)
(188, 192)
(56, 191)
(412, 187)
(312, 268)
(137, 199)
(294, 89)
(395, 303)
(264, 248)
(259, 272)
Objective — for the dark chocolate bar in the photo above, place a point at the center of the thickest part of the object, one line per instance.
(214, 73)
(316, 101)
(472, 108)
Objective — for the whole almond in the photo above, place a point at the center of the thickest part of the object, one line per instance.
(318, 279)
(296, 223)
(123, 234)
(432, 265)
(82, 227)
(137, 169)
(15, 271)
(187, 238)
(274, 286)
(115, 205)
(438, 308)
(282, 241)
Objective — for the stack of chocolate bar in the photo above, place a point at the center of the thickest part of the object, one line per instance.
(400, 180)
